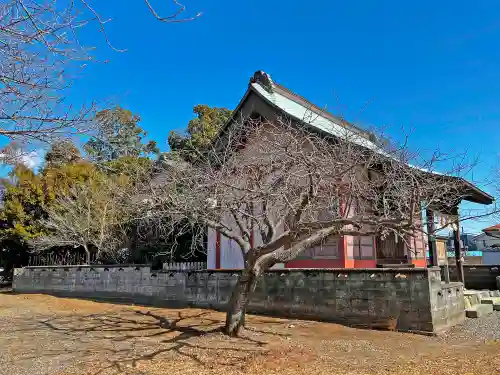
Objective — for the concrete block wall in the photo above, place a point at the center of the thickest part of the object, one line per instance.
(477, 276)
(369, 297)
(411, 299)
(446, 300)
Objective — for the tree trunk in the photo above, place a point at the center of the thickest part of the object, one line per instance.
(87, 255)
(236, 309)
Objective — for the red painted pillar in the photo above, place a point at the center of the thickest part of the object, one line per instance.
(341, 249)
(217, 250)
(344, 258)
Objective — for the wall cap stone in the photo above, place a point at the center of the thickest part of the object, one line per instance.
(467, 266)
(308, 270)
(451, 285)
(283, 270)
(90, 266)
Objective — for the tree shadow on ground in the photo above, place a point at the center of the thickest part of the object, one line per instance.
(126, 337)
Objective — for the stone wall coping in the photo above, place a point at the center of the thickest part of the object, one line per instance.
(90, 266)
(315, 270)
(451, 285)
(477, 266)
(283, 270)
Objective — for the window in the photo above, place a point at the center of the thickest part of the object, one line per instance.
(484, 243)
(362, 247)
(326, 250)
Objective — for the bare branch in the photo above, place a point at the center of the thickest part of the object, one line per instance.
(101, 25)
(173, 17)
(93, 215)
(299, 187)
(40, 57)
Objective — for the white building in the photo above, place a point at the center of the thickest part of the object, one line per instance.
(491, 256)
(489, 238)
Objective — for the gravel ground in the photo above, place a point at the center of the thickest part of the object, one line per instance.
(484, 329)
(47, 335)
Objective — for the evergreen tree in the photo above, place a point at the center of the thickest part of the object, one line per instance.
(118, 135)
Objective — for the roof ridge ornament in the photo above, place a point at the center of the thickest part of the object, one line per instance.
(263, 79)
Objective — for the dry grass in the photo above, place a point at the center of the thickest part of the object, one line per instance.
(47, 335)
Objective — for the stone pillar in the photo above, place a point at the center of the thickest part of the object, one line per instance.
(446, 273)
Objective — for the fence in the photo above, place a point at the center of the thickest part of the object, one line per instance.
(73, 259)
(58, 259)
(78, 258)
(185, 266)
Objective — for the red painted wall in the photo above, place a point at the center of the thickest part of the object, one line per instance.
(419, 262)
(315, 263)
(365, 263)
(342, 262)
(331, 263)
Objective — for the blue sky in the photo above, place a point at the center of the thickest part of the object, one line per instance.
(431, 69)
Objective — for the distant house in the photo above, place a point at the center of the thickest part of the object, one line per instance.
(491, 256)
(269, 100)
(489, 238)
(470, 252)
(467, 242)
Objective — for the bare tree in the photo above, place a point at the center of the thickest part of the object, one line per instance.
(278, 188)
(90, 216)
(40, 55)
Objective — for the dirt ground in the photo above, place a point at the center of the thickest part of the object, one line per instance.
(47, 335)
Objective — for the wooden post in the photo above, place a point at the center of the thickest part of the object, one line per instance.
(434, 261)
(217, 249)
(458, 250)
(458, 254)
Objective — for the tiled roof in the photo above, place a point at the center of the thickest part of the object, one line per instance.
(493, 228)
(301, 109)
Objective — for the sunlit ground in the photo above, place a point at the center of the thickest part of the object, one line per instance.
(47, 335)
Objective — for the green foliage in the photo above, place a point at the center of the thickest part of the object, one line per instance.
(130, 168)
(27, 196)
(118, 135)
(121, 160)
(201, 131)
(61, 153)
(24, 200)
